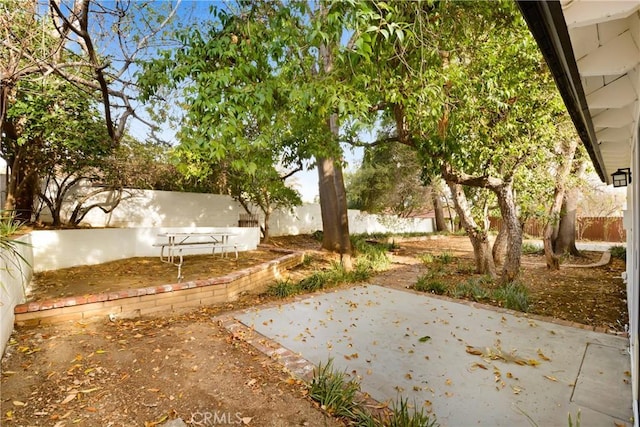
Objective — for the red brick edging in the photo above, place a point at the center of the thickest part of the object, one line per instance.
(141, 301)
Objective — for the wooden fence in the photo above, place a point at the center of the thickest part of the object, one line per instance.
(599, 229)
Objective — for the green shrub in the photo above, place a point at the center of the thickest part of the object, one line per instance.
(333, 392)
(514, 296)
(427, 284)
(619, 252)
(531, 249)
(282, 289)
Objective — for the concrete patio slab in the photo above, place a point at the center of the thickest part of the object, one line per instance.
(469, 365)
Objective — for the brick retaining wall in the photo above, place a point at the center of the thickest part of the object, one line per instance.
(165, 298)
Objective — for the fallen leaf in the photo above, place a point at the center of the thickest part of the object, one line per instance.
(516, 389)
(425, 338)
(246, 420)
(448, 394)
(474, 351)
(532, 362)
(542, 356)
(69, 398)
(18, 403)
(408, 376)
(478, 365)
(448, 381)
(550, 378)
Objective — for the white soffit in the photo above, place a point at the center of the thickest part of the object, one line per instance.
(605, 37)
(618, 94)
(615, 117)
(579, 13)
(615, 134)
(615, 57)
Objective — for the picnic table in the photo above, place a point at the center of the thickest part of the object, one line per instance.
(171, 250)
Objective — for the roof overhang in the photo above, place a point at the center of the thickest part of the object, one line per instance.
(592, 49)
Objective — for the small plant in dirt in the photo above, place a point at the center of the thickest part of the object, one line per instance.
(426, 258)
(531, 249)
(514, 296)
(474, 289)
(426, 283)
(465, 268)
(333, 392)
(315, 282)
(307, 260)
(340, 397)
(445, 257)
(619, 252)
(402, 414)
(282, 289)
(577, 420)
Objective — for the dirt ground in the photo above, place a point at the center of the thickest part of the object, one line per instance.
(145, 371)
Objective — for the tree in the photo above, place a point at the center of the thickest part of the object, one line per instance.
(468, 89)
(265, 189)
(51, 127)
(64, 39)
(389, 181)
(268, 65)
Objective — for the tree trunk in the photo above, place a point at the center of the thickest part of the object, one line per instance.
(21, 187)
(265, 231)
(551, 228)
(441, 224)
(343, 219)
(333, 197)
(506, 201)
(328, 205)
(566, 239)
(500, 245)
(479, 238)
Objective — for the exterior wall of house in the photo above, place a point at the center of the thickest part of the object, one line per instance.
(632, 223)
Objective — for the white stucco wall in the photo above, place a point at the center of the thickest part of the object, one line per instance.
(15, 274)
(54, 249)
(146, 208)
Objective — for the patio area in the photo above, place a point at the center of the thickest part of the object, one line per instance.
(467, 363)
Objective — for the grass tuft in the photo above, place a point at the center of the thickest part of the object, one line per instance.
(282, 289)
(514, 296)
(445, 257)
(426, 283)
(619, 252)
(473, 289)
(531, 249)
(339, 396)
(333, 392)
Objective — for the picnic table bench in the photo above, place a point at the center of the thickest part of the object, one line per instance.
(171, 250)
